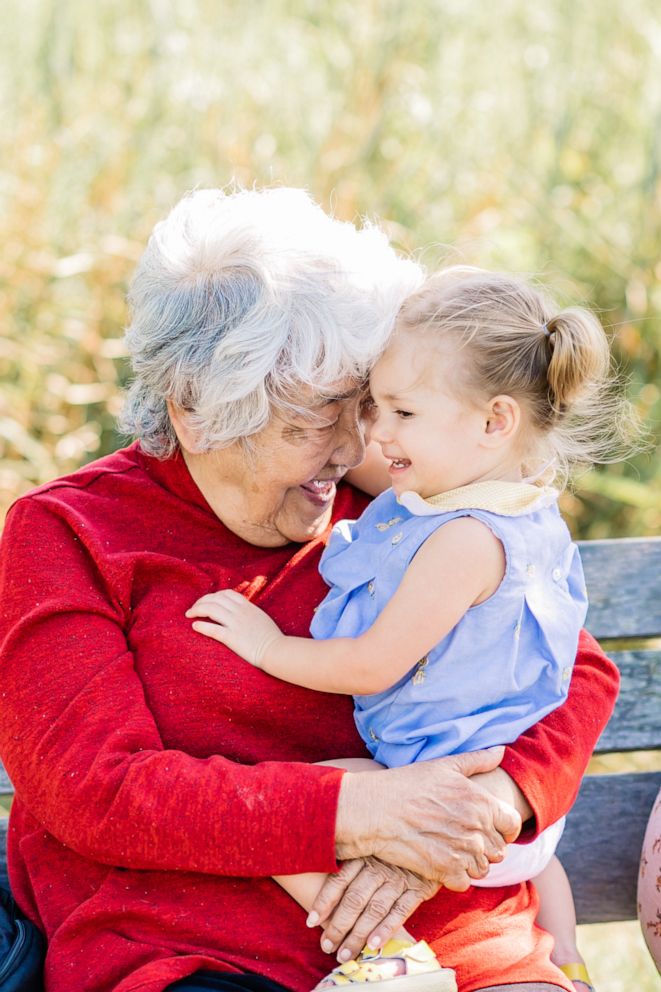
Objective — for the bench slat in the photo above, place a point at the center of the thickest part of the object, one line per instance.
(3, 852)
(623, 577)
(634, 725)
(610, 815)
(6, 788)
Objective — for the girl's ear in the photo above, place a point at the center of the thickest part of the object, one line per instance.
(185, 434)
(502, 422)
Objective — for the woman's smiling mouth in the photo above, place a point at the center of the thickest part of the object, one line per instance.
(320, 491)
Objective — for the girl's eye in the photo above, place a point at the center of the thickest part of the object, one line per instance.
(403, 414)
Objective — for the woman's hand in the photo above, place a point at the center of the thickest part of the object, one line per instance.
(429, 818)
(364, 903)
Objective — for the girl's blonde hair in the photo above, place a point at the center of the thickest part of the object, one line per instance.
(555, 362)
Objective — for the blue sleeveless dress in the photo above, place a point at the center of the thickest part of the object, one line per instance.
(508, 661)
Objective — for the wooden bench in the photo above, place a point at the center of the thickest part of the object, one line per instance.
(602, 841)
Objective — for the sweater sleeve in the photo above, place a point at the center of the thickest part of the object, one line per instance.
(84, 752)
(548, 761)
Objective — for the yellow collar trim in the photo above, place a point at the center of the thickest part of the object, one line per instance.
(509, 499)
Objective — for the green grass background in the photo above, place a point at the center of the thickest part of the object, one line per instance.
(514, 135)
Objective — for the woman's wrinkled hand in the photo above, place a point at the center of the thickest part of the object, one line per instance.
(365, 902)
(429, 818)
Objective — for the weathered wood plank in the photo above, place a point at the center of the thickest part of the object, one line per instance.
(636, 722)
(623, 579)
(602, 842)
(6, 788)
(3, 852)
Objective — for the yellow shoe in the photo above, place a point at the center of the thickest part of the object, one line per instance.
(400, 966)
(577, 973)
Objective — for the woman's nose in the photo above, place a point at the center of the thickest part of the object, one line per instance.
(350, 447)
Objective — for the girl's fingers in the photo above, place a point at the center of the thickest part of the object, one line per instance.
(218, 604)
(235, 596)
(214, 630)
(212, 610)
(219, 611)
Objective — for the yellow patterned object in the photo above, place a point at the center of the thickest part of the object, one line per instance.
(400, 966)
(510, 499)
(577, 973)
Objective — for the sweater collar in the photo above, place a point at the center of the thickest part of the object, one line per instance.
(172, 474)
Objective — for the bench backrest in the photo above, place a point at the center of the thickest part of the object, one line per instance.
(605, 829)
(602, 842)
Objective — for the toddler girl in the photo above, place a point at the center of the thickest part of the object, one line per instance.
(456, 599)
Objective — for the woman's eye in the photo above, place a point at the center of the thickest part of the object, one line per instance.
(403, 414)
(300, 433)
(368, 408)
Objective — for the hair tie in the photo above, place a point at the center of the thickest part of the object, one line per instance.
(545, 329)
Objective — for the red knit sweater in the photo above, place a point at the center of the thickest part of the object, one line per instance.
(160, 780)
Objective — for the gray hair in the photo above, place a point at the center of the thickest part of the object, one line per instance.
(242, 298)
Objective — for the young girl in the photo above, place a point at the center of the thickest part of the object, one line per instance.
(456, 599)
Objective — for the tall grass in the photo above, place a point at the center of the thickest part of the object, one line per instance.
(518, 135)
(514, 135)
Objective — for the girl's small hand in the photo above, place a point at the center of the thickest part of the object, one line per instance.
(239, 624)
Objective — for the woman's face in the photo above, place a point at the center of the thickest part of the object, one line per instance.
(282, 487)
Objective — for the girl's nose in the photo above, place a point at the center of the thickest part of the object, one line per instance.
(379, 430)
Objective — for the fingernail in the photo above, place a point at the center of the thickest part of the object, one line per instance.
(312, 920)
(375, 942)
(344, 955)
(326, 946)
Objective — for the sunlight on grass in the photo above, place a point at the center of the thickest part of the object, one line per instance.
(617, 958)
(520, 136)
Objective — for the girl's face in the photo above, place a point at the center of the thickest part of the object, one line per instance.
(433, 440)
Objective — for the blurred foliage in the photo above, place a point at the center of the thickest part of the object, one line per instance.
(513, 135)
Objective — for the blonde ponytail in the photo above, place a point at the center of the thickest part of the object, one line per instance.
(579, 356)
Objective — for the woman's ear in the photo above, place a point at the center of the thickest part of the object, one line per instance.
(502, 422)
(185, 434)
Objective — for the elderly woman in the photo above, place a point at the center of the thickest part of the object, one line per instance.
(161, 781)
